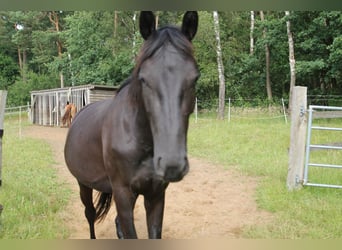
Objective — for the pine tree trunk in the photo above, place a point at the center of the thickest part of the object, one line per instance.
(20, 61)
(53, 16)
(24, 65)
(291, 59)
(267, 56)
(222, 86)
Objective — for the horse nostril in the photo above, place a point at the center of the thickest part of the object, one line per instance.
(172, 174)
(171, 168)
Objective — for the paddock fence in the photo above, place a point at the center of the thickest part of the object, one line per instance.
(322, 112)
(302, 144)
(22, 115)
(237, 109)
(246, 109)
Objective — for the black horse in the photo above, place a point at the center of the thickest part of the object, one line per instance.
(136, 143)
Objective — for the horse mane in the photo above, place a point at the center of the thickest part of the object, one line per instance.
(124, 84)
(162, 37)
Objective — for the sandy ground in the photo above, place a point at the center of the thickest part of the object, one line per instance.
(208, 203)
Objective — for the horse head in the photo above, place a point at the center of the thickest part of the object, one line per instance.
(167, 73)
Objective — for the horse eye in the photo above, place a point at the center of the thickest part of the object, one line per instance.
(142, 80)
(144, 83)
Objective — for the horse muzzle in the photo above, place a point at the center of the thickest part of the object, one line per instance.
(172, 169)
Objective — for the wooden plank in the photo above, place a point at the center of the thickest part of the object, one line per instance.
(3, 96)
(297, 138)
(98, 95)
(45, 110)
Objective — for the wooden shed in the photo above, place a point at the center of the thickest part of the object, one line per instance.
(47, 106)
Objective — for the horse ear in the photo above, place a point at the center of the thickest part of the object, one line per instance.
(190, 23)
(147, 24)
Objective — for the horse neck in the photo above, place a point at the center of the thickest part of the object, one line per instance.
(137, 110)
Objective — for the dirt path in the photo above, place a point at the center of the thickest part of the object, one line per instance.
(209, 203)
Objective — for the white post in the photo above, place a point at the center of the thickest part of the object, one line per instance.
(57, 109)
(3, 95)
(297, 138)
(20, 122)
(196, 111)
(229, 109)
(284, 111)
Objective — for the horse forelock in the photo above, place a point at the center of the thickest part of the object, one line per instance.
(163, 37)
(168, 35)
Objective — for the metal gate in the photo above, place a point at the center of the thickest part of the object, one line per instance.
(337, 111)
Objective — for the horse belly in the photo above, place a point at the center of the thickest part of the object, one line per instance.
(83, 151)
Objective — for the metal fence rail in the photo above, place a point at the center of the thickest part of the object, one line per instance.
(309, 146)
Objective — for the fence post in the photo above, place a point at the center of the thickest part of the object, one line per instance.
(297, 138)
(196, 111)
(284, 110)
(229, 109)
(3, 95)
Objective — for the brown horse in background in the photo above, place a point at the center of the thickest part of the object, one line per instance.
(69, 114)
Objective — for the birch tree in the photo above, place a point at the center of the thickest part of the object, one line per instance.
(251, 34)
(222, 87)
(291, 58)
(267, 57)
(134, 41)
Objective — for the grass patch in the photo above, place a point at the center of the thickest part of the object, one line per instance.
(259, 147)
(31, 194)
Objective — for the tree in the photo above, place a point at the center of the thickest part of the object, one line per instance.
(267, 59)
(315, 35)
(292, 61)
(251, 34)
(96, 47)
(204, 44)
(54, 19)
(8, 71)
(222, 84)
(95, 56)
(24, 23)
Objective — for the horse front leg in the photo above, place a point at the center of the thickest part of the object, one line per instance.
(118, 228)
(154, 206)
(125, 202)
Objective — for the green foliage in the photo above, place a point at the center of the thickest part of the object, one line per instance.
(8, 71)
(19, 92)
(317, 50)
(100, 47)
(207, 85)
(91, 55)
(335, 58)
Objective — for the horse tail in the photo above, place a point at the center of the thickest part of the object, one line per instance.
(102, 206)
(65, 116)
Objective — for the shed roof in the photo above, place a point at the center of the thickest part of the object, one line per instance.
(80, 87)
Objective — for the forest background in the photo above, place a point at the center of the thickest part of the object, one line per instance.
(52, 49)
